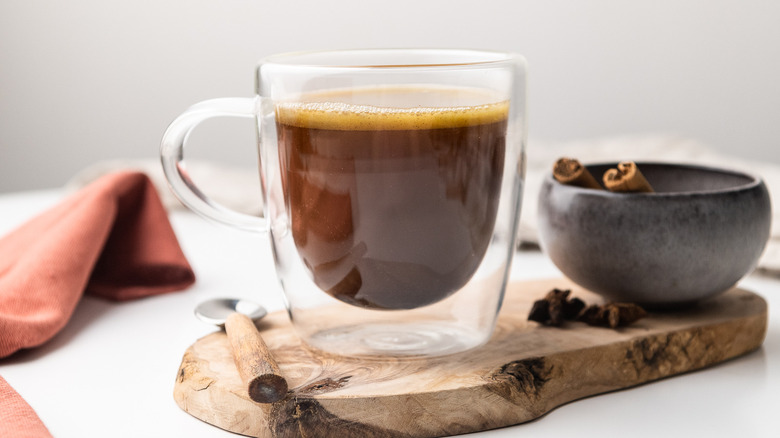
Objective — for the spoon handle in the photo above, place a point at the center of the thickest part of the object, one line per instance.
(256, 366)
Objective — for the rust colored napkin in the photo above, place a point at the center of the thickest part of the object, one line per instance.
(111, 239)
(17, 418)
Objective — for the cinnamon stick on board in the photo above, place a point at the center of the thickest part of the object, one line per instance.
(570, 171)
(626, 178)
(255, 364)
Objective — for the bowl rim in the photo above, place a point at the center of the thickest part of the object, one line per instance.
(755, 180)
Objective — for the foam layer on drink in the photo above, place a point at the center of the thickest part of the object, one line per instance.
(394, 108)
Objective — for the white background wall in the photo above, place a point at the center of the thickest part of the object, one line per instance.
(83, 81)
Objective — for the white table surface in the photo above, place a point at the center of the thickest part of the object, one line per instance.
(111, 371)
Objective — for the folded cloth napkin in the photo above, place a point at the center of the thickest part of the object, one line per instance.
(17, 418)
(110, 239)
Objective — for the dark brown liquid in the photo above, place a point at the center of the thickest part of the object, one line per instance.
(391, 209)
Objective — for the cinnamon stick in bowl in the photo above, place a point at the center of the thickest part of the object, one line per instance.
(570, 171)
(626, 178)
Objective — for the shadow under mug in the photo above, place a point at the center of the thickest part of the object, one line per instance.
(392, 184)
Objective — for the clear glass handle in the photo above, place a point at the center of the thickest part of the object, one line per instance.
(172, 155)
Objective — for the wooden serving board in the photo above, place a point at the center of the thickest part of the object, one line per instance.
(524, 371)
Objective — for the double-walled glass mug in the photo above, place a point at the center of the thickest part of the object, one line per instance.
(392, 182)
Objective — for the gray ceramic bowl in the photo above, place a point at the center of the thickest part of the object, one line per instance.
(700, 232)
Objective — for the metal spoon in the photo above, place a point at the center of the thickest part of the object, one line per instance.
(256, 366)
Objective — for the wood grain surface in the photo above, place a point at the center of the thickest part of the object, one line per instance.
(524, 371)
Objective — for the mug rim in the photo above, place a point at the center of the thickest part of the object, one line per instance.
(391, 58)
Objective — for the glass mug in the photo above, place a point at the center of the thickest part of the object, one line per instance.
(392, 182)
